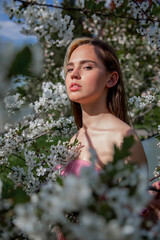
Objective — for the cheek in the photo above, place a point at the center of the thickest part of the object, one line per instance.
(66, 82)
(98, 80)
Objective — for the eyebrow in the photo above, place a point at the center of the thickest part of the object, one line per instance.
(82, 62)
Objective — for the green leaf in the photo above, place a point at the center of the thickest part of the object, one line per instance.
(155, 10)
(19, 196)
(25, 127)
(89, 4)
(59, 180)
(158, 137)
(21, 63)
(100, 5)
(125, 149)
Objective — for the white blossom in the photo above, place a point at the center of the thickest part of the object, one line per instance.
(41, 171)
(80, 3)
(54, 96)
(14, 102)
(108, 3)
(145, 98)
(42, 22)
(144, 5)
(118, 3)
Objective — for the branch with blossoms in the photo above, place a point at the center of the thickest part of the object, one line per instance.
(32, 157)
(113, 198)
(39, 163)
(145, 100)
(148, 25)
(86, 11)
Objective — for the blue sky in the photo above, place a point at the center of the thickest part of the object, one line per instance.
(10, 31)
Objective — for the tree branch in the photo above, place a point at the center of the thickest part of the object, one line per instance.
(150, 107)
(85, 11)
(9, 168)
(144, 12)
(26, 4)
(32, 139)
(18, 156)
(150, 180)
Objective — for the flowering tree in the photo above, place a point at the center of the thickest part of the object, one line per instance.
(32, 149)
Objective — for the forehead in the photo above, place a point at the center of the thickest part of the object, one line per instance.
(85, 52)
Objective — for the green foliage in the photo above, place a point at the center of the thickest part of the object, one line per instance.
(124, 151)
(21, 63)
(118, 165)
(113, 28)
(155, 10)
(17, 195)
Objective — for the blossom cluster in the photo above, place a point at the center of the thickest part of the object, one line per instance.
(145, 99)
(71, 204)
(43, 22)
(10, 142)
(20, 140)
(113, 197)
(14, 102)
(141, 11)
(63, 127)
(42, 166)
(54, 96)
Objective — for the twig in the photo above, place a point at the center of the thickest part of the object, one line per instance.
(9, 168)
(18, 156)
(31, 139)
(150, 180)
(144, 12)
(145, 112)
(26, 3)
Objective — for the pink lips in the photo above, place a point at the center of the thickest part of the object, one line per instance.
(75, 87)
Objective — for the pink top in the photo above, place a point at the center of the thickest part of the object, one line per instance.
(75, 167)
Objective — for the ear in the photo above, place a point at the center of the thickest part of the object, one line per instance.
(112, 79)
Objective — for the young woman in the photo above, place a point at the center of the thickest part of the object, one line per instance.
(95, 87)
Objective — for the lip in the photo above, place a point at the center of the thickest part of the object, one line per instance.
(75, 86)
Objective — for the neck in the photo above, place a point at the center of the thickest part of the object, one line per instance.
(93, 114)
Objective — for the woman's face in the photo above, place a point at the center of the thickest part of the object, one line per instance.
(86, 76)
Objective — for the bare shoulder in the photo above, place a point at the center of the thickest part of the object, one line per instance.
(123, 128)
(137, 151)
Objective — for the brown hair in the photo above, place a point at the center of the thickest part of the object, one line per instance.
(116, 97)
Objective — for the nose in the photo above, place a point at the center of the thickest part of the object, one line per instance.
(75, 74)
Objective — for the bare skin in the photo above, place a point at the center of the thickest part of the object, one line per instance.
(102, 140)
(101, 130)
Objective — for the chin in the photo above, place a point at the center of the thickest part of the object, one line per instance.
(74, 99)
